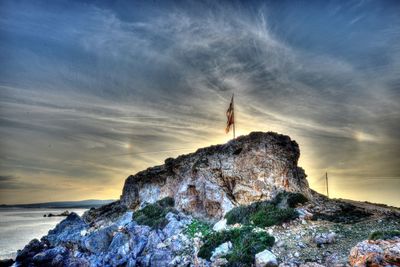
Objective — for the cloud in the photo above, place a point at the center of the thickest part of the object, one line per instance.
(87, 93)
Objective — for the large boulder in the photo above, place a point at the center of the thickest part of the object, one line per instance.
(266, 259)
(67, 231)
(24, 256)
(376, 253)
(213, 180)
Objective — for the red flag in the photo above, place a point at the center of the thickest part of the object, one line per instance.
(230, 115)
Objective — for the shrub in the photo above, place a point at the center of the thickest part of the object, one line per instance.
(266, 213)
(153, 215)
(197, 226)
(246, 243)
(272, 216)
(384, 234)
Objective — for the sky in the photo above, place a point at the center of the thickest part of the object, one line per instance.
(93, 91)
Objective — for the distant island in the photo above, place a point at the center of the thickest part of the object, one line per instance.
(89, 203)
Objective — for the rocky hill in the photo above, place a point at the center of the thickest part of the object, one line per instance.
(213, 180)
(243, 203)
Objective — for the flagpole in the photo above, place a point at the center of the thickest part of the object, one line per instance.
(233, 107)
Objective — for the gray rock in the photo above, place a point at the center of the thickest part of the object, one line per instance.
(266, 259)
(100, 240)
(324, 238)
(154, 238)
(161, 258)
(221, 250)
(67, 231)
(47, 256)
(24, 256)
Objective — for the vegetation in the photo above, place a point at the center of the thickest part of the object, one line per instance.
(272, 215)
(153, 215)
(267, 213)
(246, 243)
(347, 214)
(197, 226)
(384, 234)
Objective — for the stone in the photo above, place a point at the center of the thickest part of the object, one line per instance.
(47, 256)
(376, 253)
(220, 225)
(99, 241)
(221, 250)
(24, 256)
(266, 259)
(6, 262)
(161, 258)
(213, 180)
(324, 238)
(67, 231)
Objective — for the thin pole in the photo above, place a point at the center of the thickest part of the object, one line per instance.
(233, 107)
(326, 180)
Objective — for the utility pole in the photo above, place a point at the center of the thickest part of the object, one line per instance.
(233, 108)
(326, 181)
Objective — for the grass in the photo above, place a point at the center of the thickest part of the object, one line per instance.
(267, 213)
(153, 215)
(246, 243)
(384, 234)
(272, 215)
(197, 226)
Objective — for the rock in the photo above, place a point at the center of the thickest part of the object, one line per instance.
(211, 181)
(124, 219)
(68, 230)
(24, 256)
(221, 250)
(161, 258)
(104, 214)
(47, 256)
(311, 264)
(324, 238)
(6, 262)
(266, 259)
(100, 240)
(154, 238)
(119, 248)
(220, 225)
(376, 253)
(219, 262)
(174, 226)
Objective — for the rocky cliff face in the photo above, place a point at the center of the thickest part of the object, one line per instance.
(213, 180)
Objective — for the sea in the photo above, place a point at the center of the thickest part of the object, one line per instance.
(18, 226)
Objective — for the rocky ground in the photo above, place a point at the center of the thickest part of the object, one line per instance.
(159, 235)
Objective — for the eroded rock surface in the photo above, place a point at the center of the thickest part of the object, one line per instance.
(211, 181)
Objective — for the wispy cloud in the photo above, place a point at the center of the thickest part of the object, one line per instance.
(87, 93)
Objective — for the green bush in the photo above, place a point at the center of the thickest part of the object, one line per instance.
(272, 216)
(197, 226)
(246, 243)
(384, 234)
(153, 215)
(266, 213)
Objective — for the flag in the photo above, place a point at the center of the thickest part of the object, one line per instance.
(230, 116)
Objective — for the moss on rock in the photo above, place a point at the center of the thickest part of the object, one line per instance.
(153, 215)
(267, 213)
(384, 234)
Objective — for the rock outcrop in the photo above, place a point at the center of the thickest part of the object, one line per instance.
(213, 180)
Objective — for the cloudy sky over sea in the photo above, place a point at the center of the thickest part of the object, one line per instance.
(92, 91)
